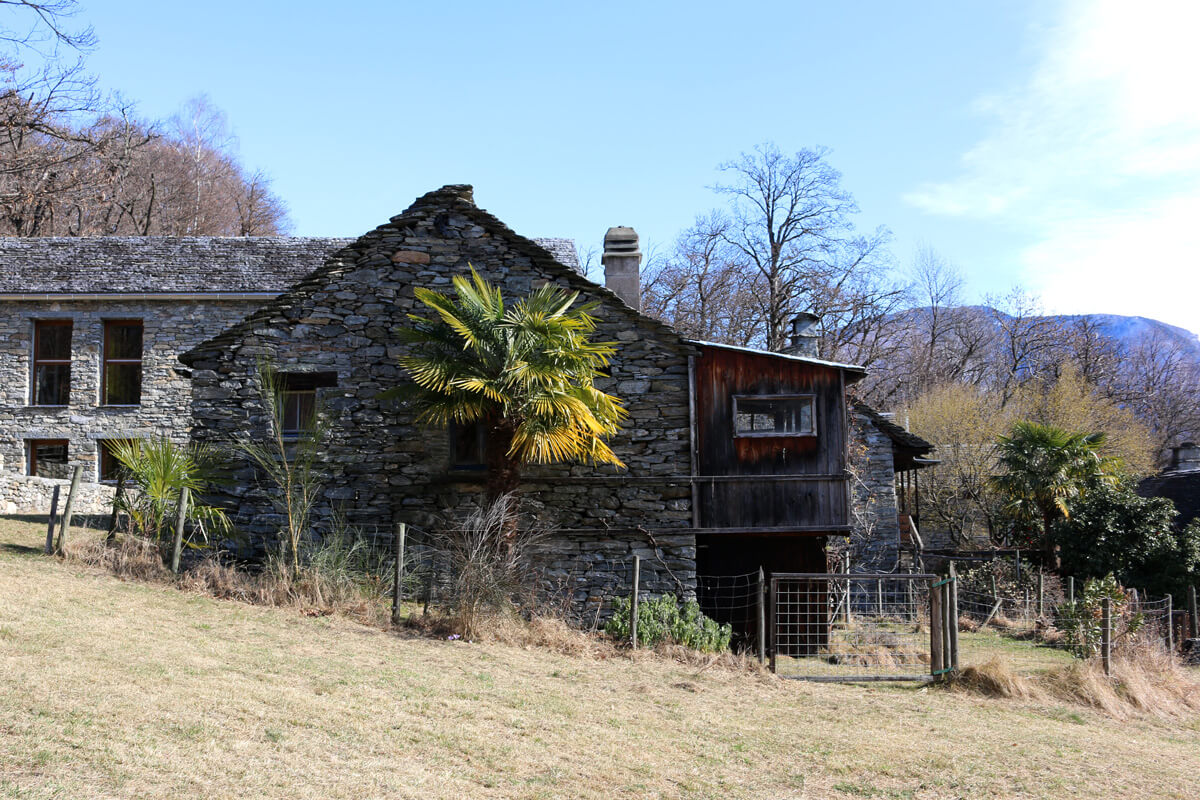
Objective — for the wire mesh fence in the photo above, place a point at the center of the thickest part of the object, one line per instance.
(851, 627)
(1034, 633)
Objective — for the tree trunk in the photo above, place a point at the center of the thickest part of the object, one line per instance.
(1049, 548)
(503, 472)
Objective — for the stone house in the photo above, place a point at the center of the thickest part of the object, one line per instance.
(1179, 483)
(729, 451)
(90, 334)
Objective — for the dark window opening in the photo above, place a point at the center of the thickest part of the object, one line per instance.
(298, 399)
(468, 445)
(48, 458)
(121, 381)
(51, 362)
(774, 415)
(110, 467)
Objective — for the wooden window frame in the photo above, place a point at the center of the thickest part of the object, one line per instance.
(105, 361)
(31, 446)
(812, 404)
(297, 384)
(38, 325)
(105, 458)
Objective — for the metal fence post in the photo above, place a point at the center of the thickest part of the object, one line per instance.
(762, 617)
(879, 595)
(180, 521)
(772, 600)
(936, 626)
(1071, 590)
(398, 573)
(1106, 634)
(633, 601)
(953, 617)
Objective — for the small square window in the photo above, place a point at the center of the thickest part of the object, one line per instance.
(468, 445)
(47, 458)
(298, 399)
(773, 415)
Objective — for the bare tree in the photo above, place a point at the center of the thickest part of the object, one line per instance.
(702, 287)
(790, 223)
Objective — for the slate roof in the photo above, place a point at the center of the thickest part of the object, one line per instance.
(908, 446)
(176, 264)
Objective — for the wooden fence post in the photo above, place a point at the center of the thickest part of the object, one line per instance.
(1170, 625)
(879, 594)
(54, 519)
(953, 617)
(762, 616)
(180, 521)
(117, 495)
(398, 573)
(1025, 608)
(633, 601)
(1193, 616)
(1106, 634)
(1041, 594)
(65, 525)
(936, 626)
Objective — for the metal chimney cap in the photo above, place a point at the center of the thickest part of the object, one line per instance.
(804, 322)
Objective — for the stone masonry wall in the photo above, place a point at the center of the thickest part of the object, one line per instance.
(23, 494)
(875, 540)
(170, 327)
(383, 468)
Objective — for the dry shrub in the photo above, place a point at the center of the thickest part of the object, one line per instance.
(994, 678)
(966, 623)
(130, 557)
(1146, 682)
(546, 632)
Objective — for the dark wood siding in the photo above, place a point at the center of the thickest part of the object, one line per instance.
(781, 482)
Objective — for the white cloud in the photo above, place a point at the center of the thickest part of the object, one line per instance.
(1094, 162)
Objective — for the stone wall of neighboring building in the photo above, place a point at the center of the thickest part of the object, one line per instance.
(384, 468)
(23, 494)
(875, 540)
(169, 328)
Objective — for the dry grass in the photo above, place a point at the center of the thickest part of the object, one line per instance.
(128, 689)
(134, 558)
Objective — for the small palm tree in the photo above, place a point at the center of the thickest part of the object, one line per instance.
(159, 470)
(1044, 469)
(525, 372)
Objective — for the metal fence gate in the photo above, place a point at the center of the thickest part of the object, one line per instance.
(853, 627)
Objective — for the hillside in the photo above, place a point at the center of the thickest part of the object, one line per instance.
(115, 689)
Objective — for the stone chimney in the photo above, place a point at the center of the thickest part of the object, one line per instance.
(622, 261)
(1186, 456)
(806, 336)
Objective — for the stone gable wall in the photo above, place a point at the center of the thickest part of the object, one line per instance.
(875, 540)
(171, 327)
(382, 468)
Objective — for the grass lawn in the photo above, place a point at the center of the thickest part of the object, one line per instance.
(119, 689)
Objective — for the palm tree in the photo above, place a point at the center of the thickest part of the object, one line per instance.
(525, 372)
(1044, 468)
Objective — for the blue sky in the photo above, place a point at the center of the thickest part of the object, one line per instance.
(1056, 144)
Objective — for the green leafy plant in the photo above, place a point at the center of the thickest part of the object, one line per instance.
(524, 372)
(1082, 620)
(1044, 468)
(159, 470)
(291, 466)
(669, 619)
